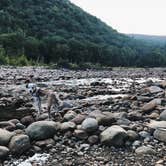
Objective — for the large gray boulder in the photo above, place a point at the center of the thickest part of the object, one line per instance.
(114, 135)
(4, 151)
(19, 144)
(42, 130)
(90, 125)
(5, 136)
(160, 134)
(163, 115)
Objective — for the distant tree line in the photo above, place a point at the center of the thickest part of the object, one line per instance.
(56, 31)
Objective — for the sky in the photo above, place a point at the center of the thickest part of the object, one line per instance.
(129, 16)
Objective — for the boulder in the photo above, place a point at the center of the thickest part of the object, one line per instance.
(151, 105)
(19, 144)
(70, 115)
(132, 135)
(153, 89)
(65, 105)
(114, 135)
(144, 150)
(89, 125)
(163, 115)
(103, 118)
(42, 130)
(8, 125)
(157, 124)
(67, 126)
(144, 134)
(4, 151)
(160, 134)
(79, 118)
(5, 137)
(27, 120)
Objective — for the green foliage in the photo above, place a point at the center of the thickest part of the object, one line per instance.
(58, 32)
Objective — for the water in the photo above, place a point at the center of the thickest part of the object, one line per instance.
(38, 159)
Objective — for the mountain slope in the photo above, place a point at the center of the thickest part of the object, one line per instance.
(54, 31)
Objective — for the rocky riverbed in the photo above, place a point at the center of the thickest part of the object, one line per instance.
(110, 117)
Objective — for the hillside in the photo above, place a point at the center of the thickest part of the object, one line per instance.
(57, 31)
(153, 39)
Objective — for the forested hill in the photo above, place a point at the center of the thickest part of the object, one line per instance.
(53, 31)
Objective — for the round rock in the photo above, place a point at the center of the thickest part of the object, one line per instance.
(90, 125)
(114, 135)
(19, 144)
(42, 130)
(4, 151)
(5, 137)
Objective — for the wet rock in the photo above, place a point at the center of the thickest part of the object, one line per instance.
(19, 144)
(65, 126)
(89, 125)
(81, 134)
(79, 118)
(70, 115)
(151, 105)
(163, 115)
(27, 120)
(4, 151)
(5, 137)
(132, 135)
(42, 130)
(144, 150)
(160, 134)
(114, 135)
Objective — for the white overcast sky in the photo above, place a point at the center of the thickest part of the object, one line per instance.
(129, 16)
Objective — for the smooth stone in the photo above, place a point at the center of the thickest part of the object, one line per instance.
(65, 126)
(5, 137)
(42, 130)
(144, 150)
(19, 144)
(114, 135)
(151, 105)
(4, 151)
(89, 125)
(70, 115)
(132, 135)
(163, 115)
(160, 134)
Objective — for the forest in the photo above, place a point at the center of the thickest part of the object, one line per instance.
(59, 32)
